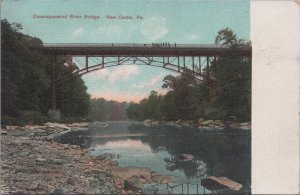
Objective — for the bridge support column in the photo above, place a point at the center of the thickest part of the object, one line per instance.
(53, 112)
(200, 65)
(53, 86)
(87, 62)
(178, 63)
(207, 77)
(193, 59)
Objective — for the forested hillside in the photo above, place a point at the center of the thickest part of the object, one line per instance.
(104, 110)
(226, 92)
(26, 81)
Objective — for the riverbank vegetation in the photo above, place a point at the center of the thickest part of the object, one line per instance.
(107, 110)
(26, 81)
(225, 92)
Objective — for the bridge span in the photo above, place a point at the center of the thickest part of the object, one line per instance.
(153, 49)
(181, 58)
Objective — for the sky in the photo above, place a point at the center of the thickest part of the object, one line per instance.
(173, 21)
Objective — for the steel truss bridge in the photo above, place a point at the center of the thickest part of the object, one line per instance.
(181, 58)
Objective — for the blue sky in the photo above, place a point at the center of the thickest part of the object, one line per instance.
(164, 21)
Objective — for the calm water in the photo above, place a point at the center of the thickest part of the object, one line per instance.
(223, 153)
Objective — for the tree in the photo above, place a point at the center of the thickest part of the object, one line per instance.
(183, 96)
(26, 78)
(234, 78)
(134, 112)
(101, 109)
(23, 74)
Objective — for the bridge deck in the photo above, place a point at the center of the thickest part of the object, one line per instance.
(121, 49)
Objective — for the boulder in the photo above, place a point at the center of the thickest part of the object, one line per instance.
(155, 123)
(147, 121)
(12, 127)
(95, 183)
(218, 183)
(125, 173)
(218, 123)
(149, 190)
(3, 132)
(161, 179)
(41, 159)
(190, 122)
(207, 122)
(134, 183)
(168, 159)
(185, 157)
(79, 125)
(178, 122)
(230, 124)
(245, 125)
(161, 148)
(200, 120)
(146, 177)
(119, 183)
(113, 163)
(56, 161)
(33, 127)
(57, 125)
(106, 156)
(32, 187)
(171, 166)
(23, 154)
(163, 192)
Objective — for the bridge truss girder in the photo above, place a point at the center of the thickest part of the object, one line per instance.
(193, 65)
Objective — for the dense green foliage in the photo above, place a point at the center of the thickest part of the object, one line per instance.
(26, 80)
(226, 92)
(103, 110)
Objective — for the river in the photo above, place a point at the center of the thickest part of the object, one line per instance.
(224, 153)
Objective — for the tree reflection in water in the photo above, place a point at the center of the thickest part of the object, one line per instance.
(225, 153)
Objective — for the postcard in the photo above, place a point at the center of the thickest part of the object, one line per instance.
(127, 97)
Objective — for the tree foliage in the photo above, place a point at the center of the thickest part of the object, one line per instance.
(104, 110)
(26, 78)
(225, 92)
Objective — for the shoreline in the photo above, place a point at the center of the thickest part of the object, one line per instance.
(32, 162)
(200, 124)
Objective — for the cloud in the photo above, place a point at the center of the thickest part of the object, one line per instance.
(78, 32)
(154, 28)
(123, 73)
(154, 80)
(103, 73)
(150, 83)
(116, 74)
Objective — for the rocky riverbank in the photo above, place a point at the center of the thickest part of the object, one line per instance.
(202, 124)
(35, 164)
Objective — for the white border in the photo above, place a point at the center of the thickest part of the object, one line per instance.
(275, 35)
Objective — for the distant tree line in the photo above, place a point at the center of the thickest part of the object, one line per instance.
(104, 110)
(226, 92)
(26, 81)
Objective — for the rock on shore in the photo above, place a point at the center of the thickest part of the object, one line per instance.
(32, 163)
(201, 123)
(34, 166)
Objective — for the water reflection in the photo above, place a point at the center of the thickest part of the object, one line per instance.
(223, 153)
